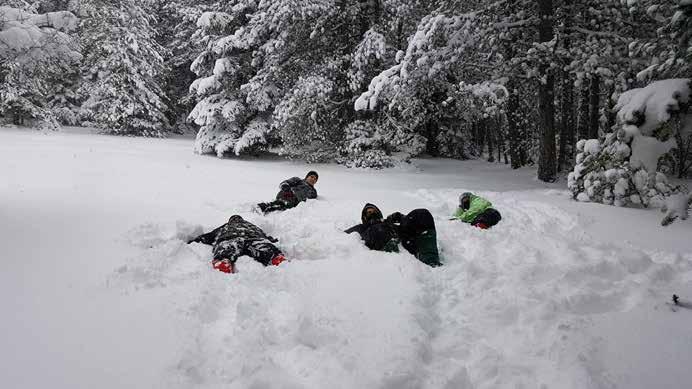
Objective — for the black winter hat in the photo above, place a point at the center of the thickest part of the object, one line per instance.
(363, 214)
(312, 173)
(465, 200)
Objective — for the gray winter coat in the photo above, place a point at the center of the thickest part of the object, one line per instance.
(300, 188)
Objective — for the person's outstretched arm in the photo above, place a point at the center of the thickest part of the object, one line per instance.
(311, 192)
(207, 238)
(357, 228)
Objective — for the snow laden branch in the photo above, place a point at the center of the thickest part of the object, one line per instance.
(623, 168)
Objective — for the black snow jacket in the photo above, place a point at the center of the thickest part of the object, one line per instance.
(239, 237)
(415, 231)
(300, 188)
(376, 233)
(236, 228)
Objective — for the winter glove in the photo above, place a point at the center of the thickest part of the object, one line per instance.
(272, 239)
(395, 218)
(285, 187)
(392, 246)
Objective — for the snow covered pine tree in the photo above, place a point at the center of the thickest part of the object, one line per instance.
(123, 69)
(37, 51)
(622, 170)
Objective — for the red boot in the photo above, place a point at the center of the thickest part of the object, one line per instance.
(482, 226)
(278, 259)
(223, 265)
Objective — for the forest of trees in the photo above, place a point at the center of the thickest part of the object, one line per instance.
(361, 82)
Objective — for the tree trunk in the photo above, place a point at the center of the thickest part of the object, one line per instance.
(500, 139)
(513, 118)
(547, 170)
(594, 106)
(479, 135)
(489, 135)
(683, 150)
(610, 106)
(583, 112)
(567, 101)
(432, 146)
(566, 127)
(370, 11)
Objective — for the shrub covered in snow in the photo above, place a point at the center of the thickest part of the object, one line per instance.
(622, 168)
(38, 55)
(365, 146)
(605, 175)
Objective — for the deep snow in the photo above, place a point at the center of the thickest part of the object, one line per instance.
(97, 289)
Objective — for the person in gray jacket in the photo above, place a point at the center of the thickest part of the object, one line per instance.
(292, 192)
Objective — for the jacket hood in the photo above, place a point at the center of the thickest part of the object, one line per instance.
(368, 205)
(235, 219)
(464, 195)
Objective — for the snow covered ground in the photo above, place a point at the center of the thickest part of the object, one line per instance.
(97, 289)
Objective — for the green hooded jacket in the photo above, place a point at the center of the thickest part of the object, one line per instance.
(478, 205)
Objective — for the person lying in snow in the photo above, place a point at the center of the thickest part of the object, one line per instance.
(292, 192)
(476, 211)
(415, 231)
(239, 237)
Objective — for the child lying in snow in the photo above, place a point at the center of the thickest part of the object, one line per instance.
(292, 192)
(415, 231)
(476, 211)
(239, 237)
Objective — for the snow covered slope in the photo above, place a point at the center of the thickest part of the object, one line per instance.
(98, 289)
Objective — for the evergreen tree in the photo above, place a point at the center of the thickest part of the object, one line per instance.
(123, 69)
(37, 51)
(177, 32)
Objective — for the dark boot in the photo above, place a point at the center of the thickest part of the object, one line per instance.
(426, 243)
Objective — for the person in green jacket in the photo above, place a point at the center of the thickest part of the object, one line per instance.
(477, 211)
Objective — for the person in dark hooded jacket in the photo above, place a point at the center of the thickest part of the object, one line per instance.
(415, 231)
(236, 238)
(292, 192)
(376, 234)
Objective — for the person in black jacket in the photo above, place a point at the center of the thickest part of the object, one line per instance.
(376, 234)
(415, 231)
(291, 192)
(239, 237)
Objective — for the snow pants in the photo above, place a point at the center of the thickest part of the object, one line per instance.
(261, 250)
(419, 237)
(283, 202)
(489, 217)
(277, 205)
